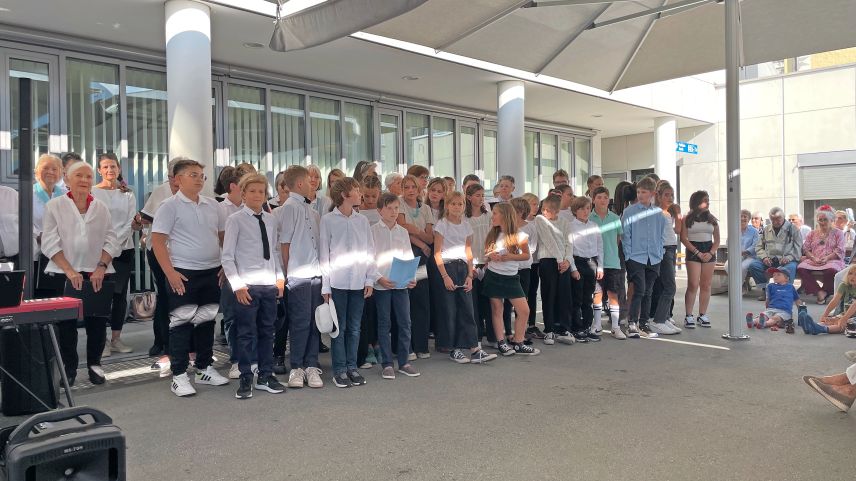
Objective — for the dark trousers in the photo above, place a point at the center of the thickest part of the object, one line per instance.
(458, 309)
(227, 308)
(532, 293)
(435, 290)
(665, 299)
(555, 296)
(281, 336)
(255, 325)
(160, 323)
(420, 315)
(304, 295)
(96, 336)
(349, 309)
(368, 329)
(192, 320)
(524, 275)
(123, 264)
(642, 276)
(388, 302)
(188, 338)
(582, 291)
(482, 313)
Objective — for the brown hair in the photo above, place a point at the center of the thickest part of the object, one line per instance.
(552, 201)
(561, 173)
(185, 164)
(371, 182)
(444, 211)
(411, 178)
(245, 168)
(647, 183)
(521, 205)
(580, 202)
(600, 190)
(417, 170)
(697, 214)
(436, 181)
(293, 174)
(385, 199)
(330, 176)
(509, 221)
(471, 190)
(341, 188)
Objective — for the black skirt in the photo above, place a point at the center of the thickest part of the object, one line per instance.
(498, 286)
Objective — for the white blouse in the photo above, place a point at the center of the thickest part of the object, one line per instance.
(480, 225)
(123, 208)
(80, 237)
(347, 252)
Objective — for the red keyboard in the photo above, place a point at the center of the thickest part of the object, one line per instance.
(42, 311)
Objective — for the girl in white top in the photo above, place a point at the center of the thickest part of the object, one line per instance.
(453, 238)
(370, 189)
(700, 235)
(348, 275)
(505, 248)
(323, 203)
(123, 211)
(479, 219)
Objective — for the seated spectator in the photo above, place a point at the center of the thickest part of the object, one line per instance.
(797, 221)
(392, 182)
(779, 245)
(757, 221)
(839, 389)
(823, 251)
(844, 296)
(748, 239)
(781, 296)
(844, 224)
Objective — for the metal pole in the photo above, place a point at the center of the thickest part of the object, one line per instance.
(732, 162)
(25, 184)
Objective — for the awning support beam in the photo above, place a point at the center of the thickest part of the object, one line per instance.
(636, 48)
(659, 12)
(484, 23)
(579, 31)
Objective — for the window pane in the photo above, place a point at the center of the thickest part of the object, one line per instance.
(582, 164)
(247, 126)
(416, 139)
(443, 153)
(548, 162)
(358, 135)
(565, 153)
(489, 157)
(287, 130)
(324, 118)
(92, 96)
(147, 115)
(389, 143)
(468, 151)
(531, 181)
(37, 72)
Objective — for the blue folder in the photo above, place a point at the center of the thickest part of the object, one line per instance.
(402, 271)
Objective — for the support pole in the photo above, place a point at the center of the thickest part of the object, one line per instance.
(510, 150)
(25, 185)
(732, 162)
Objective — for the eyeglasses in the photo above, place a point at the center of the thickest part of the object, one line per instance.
(195, 175)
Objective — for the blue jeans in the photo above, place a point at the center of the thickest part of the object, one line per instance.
(349, 310)
(227, 307)
(255, 325)
(386, 302)
(758, 271)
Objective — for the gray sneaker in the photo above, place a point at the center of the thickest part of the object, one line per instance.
(388, 373)
(408, 371)
(566, 338)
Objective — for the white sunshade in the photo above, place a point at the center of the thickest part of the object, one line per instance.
(554, 39)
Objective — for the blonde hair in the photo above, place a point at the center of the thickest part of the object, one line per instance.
(45, 158)
(508, 226)
(444, 212)
(248, 179)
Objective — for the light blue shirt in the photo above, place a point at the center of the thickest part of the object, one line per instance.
(748, 238)
(642, 239)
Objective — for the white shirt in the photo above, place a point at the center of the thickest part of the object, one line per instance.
(193, 229)
(243, 255)
(8, 221)
(372, 215)
(80, 237)
(506, 268)
(531, 231)
(39, 201)
(228, 207)
(299, 228)
(567, 215)
(419, 216)
(554, 239)
(123, 208)
(700, 232)
(347, 252)
(321, 204)
(670, 238)
(454, 239)
(153, 203)
(587, 241)
(480, 226)
(389, 244)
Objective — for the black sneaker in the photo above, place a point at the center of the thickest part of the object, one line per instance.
(524, 350)
(279, 365)
(458, 356)
(481, 357)
(581, 337)
(850, 328)
(270, 384)
(505, 349)
(592, 337)
(245, 389)
(356, 379)
(533, 332)
(322, 347)
(342, 380)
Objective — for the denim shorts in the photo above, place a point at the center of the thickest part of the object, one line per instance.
(702, 247)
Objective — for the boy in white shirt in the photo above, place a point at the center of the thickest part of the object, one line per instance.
(586, 269)
(230, 203)
(555, 255)
(256, 279)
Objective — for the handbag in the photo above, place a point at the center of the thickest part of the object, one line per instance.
(143, 305)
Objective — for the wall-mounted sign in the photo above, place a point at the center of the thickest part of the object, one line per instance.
(687, 148)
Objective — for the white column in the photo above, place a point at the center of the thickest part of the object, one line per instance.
(188, 76)
(510, 152)
(666, 137)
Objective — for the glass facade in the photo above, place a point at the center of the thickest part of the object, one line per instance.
(39, 77)
(531, 146)
(469, 154)
(288, 130)
(489, 158)
(390, 143)
(357, 135)
(549, 161)
(148, 151)
(582, 163)
(247, 126)
(443, 147)
(93, 108)
(416, 139)
(324, 130)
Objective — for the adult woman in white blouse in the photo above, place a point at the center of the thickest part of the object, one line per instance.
(48, 174)
(123, 210)
(78, 238)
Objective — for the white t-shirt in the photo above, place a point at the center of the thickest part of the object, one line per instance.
(480, 225)
(123, 208)
(454, 239)
(531, 230)
(506, 268)
(372, 215)
(193, 229)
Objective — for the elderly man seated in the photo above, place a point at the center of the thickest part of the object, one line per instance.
(779, 245)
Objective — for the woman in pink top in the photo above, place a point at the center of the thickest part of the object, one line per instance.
(823, 251)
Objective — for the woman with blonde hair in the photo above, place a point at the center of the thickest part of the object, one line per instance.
(47, 186)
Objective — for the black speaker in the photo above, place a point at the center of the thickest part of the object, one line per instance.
(74, 444)
(26, 354)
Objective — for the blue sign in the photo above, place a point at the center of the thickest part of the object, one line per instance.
(687, 148)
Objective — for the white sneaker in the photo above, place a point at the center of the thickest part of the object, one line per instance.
(211, 376)
(689, 322)
(120, 346)
(181, 386)
(659, 328)
(423, 355)
(296, 378)
(411, 356)
(550, 338)
(618, 333)
(313, 377)
(566, 338)
(633, 330)
(671, 323)
(235, 372)
(107, 352)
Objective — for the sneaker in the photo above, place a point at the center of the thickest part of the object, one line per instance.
(181, 386)
(371, 360)
(481, 357)
(593, 337)
(107, 352)
(366, 365)
(750, 322)
(458, 356)
(659, 328)
(789, 328)
(671, 323)
(580, 337)
(164, 368)
(388, 373)
(408, 371)
(211, 376)
(96, 375)
(647, 332)
(525, 350)
(533, 332)
(342, 380)
(837, 399)
(323, 348)
(633, 330)
(850, 328)
(120, 346)
(618, 333)
(703, 320)
(689, 321)
(313, 377)
(761, 323)
(411, 356)
(279, 365)
(550, 338)
(504, 348)
(296, 378)
(565, 338)
(245, 388)
(270, 384)
(423, 355)
(356, 379)
(235, 371)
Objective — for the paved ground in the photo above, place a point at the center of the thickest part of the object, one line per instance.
(616, 410)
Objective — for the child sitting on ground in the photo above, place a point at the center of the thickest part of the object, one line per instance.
(780, 297)
(845, 294)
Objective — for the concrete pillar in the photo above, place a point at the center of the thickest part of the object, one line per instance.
(666, 137)
(510, 151)
(188, 75)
